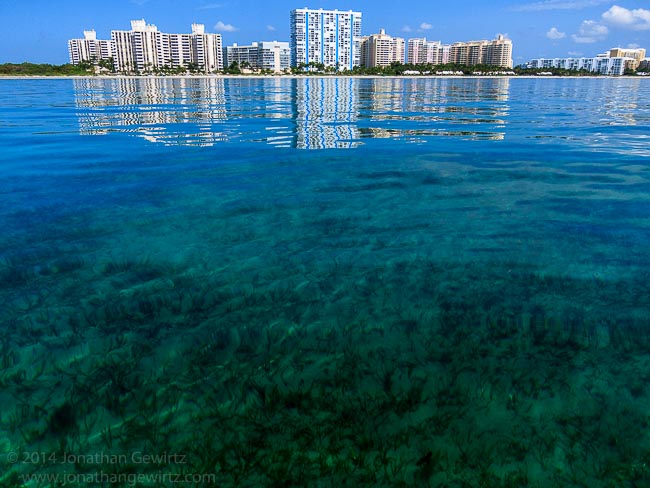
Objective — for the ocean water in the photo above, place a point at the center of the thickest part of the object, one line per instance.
(325, 282)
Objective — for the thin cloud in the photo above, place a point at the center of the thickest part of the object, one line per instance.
(558, 5)
(575, 53)
(589, 32)
(636, 19)
(221, 27)
(425, 26)
(407, 28)
(270, 28)
(555, 34)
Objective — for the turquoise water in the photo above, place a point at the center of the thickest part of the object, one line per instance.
(327, 281)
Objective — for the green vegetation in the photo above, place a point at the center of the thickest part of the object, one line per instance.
(32, 69)
(105, 66)
(427, 379)
(520, 70)
(399, 69)
(233, 69)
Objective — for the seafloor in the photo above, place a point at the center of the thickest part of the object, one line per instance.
(393, 317)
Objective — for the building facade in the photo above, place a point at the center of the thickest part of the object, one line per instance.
(206, 49)
(637, 55)
(421, 51)
(269, 55)
(274, 55)
(328, 37)
(600, 64)
(89, 48)
(145, 49)
(497, 52)
(381, 50)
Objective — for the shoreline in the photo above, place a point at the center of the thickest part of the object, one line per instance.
(118, 77)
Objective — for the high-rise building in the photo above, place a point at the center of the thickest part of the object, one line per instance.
(89, 48)
(329, 37)
(421, 51)
(207, 49)
(144, 49)
(148, 46)
(381, 50)
(497, 52)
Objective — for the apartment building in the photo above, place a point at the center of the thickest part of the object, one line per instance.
(329, 37)
(89, 48)
(144, 48)
(600, 64)
(271, 55)
(381, 50)
(637, 55)
(206, 49)
(497, 52)
(421, 51)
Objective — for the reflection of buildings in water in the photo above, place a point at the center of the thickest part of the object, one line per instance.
(326, 113)
(150, 107)
(616, 100)
(308, 113)
(437, 106)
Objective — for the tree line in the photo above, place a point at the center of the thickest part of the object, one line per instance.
(313, 68)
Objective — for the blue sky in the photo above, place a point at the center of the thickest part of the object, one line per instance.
(38, 30)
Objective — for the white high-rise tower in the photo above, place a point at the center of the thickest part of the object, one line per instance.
(329, 37)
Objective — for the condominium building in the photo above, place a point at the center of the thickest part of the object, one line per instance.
(206, 49)
(600, 64)
(421, 51)
(89, 48)
(147, 46)
(497, 52)
(381, 50)
(144, 48)
(637, 55)
(329, 37)
(271, 55)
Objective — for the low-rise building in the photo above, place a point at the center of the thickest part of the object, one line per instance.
(599, 64)
(267, 55)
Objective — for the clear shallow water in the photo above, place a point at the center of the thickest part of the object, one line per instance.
(312, 226)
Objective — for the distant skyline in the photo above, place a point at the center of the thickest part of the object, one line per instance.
(38, 30)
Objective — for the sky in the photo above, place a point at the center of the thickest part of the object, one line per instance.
(38, 30)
